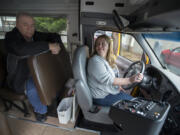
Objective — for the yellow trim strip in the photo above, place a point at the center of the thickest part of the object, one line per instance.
(134, 91)
(119, 44)
(147, 59)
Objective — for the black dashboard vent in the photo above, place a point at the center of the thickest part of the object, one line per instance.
(119, 4)
(166, 95)
(89, 3)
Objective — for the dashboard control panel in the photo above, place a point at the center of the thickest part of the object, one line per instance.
(146, 116)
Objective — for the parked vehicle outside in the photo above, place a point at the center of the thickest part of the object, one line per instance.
(166, 46)
(171, 57)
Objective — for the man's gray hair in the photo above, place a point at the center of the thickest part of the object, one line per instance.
(20, 14)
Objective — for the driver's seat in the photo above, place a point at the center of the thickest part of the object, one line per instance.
(91, 112)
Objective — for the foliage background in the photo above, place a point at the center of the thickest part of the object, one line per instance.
(48, 24)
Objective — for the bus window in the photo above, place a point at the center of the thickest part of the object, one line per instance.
(130, 49)
(43, 24)
(7, 23)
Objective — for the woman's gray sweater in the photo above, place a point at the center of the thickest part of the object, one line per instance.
(100, 77)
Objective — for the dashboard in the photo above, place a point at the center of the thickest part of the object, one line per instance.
(158, 87)
(157, 84)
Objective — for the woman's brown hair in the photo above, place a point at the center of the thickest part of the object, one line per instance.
(110, 54)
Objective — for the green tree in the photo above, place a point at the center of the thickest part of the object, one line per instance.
(49, 24)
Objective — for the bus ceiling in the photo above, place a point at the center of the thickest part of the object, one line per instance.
(161, 15)
(39, 7)
(132, 15)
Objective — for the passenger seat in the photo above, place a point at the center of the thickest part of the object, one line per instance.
(7, 95)
(50, 73)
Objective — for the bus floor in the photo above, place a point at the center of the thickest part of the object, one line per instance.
(20, 125)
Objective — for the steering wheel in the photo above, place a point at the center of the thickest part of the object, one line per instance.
(134, 68)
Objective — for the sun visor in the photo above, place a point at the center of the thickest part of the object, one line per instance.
(157, 13)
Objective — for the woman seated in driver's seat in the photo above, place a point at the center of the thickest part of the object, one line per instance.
(104, 85)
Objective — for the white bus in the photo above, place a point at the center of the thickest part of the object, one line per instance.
(146, 38)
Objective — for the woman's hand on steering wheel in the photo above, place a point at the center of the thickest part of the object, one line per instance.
(135, 74)
(137, 78)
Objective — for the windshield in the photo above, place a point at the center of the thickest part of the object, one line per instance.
(166, 46)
